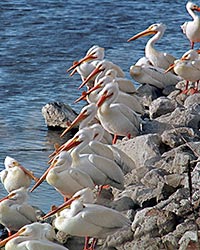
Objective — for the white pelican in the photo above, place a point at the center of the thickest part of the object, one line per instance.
(92, 95)
(87, 117)
(15, 175)
(188, 67)
(15, 212)
(192, 28)
(117, 118)
(35, 236)
(101, 68)
(64, 178)
(144, 72)
(103, 171)
(157, 58)
(85, 219)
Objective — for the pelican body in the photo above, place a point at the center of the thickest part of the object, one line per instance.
(15, 212)
(15, 176)
(192, 28)
(36, 236)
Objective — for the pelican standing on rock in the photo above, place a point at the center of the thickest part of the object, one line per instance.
(157, 58)
(192, 28)
(15, 212)
(36, 236)
(85, 219)
(117, 118)
(15, 175)
(188, 67)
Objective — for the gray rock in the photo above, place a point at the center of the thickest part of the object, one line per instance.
(191, 100)
(161, 106)
(58, 115)
(177, 136)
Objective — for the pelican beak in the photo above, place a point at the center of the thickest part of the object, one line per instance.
(86, 93)
(76, 121)
(3, 242)
(170, 68)
(103, 98)
(141, 34)
(91, 75)
(66, 146)
(29, 173)
(43, 177)
(84, 59)
(61, 207)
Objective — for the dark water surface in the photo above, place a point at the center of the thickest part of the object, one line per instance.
(40, 40)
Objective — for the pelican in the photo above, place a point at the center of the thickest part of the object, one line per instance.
(192, 28)
(35, 236)
(117, 118)
(188, 67)
(87, 117)
(144, 72)
(15, 212)
(86, 219)
(15, 175)
(132, 101)
(103, 171)
(101, 68)
(157, 58)
(65, 179)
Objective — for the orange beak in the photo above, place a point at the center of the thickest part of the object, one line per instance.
(170, 68)
(61, 207)
(29, 173)
(141, 34)
(86, 93)
(103, 98)
(76, 121)
(84, 59)
(3, 242)
(91, 75)
(43, 177)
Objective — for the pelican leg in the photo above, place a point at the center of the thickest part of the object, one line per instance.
(192, 44)
(93, 244)
(186, 88)
(114, 139)
(86, 245)
(195, 89)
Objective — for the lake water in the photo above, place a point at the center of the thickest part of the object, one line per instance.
(40, 40)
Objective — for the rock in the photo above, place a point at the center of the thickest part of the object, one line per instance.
(148, 93)
(57, 115)
(192, 100)
(177, 136)
(182, 117)
(142, 148)
(161, 106)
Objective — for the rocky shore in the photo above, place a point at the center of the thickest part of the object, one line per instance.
(162, 194)
(161, 168)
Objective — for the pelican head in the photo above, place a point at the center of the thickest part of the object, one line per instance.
(151, 30)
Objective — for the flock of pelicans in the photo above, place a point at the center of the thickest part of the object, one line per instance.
(87, 160)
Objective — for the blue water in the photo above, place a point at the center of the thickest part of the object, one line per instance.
(40, 39)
